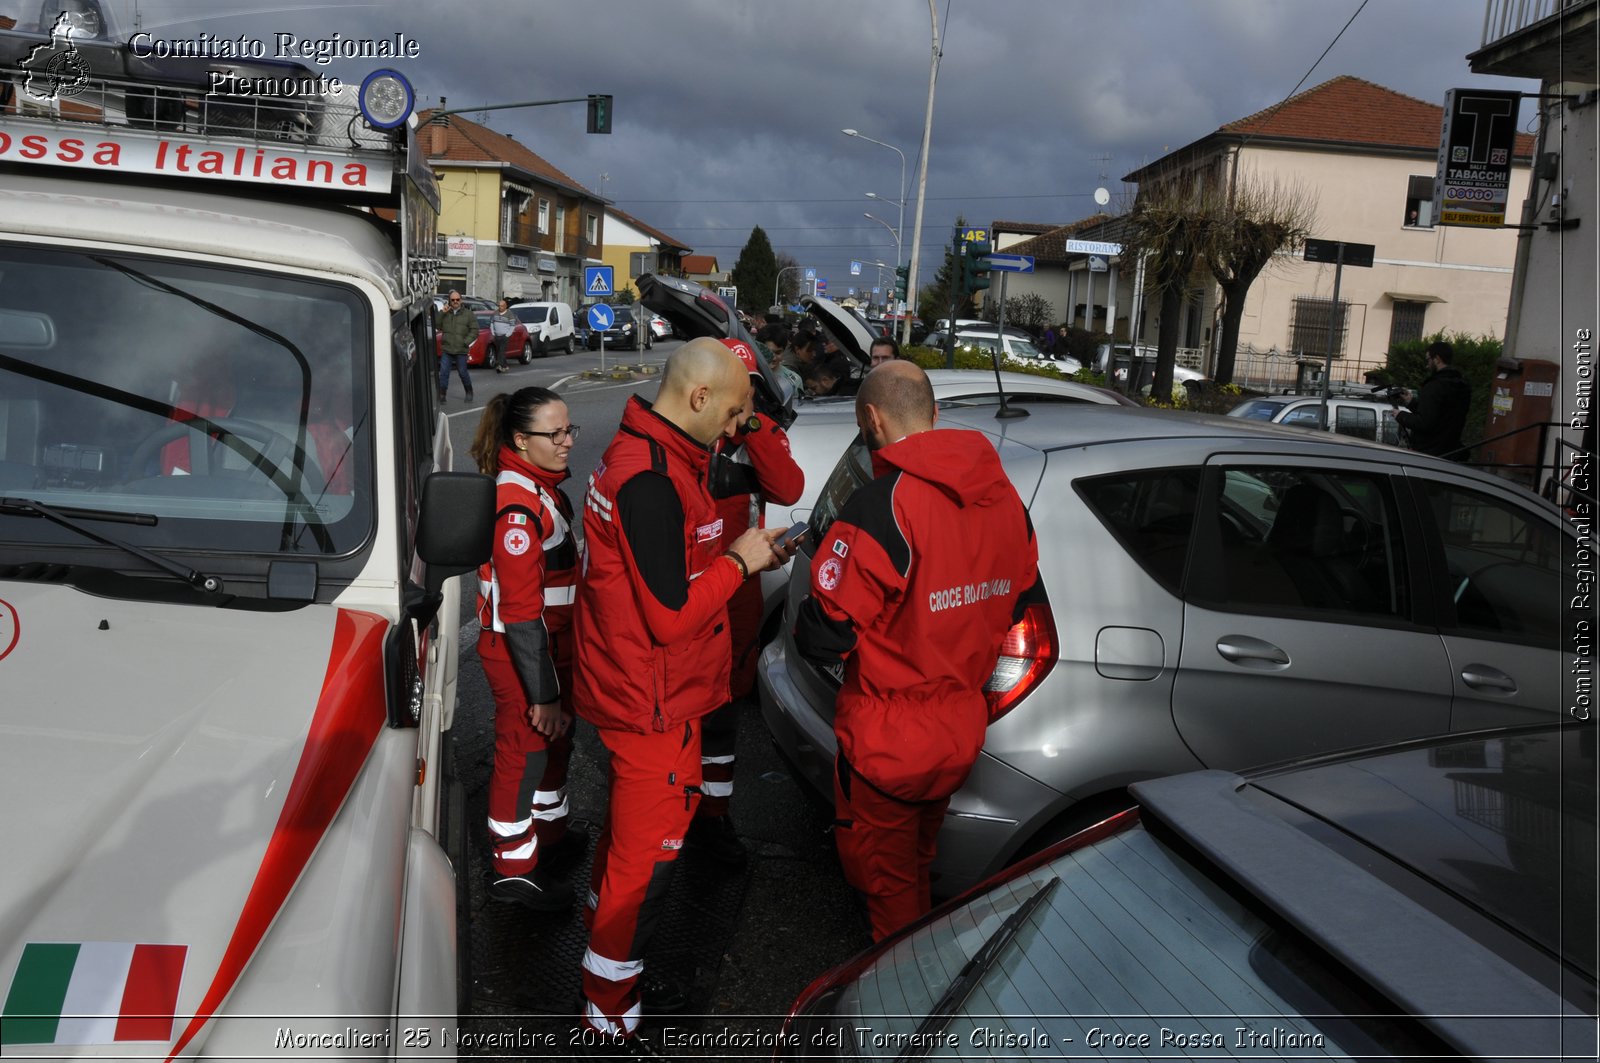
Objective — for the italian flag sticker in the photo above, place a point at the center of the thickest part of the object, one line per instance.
(94, 993)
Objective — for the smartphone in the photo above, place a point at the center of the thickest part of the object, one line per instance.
(792, 536)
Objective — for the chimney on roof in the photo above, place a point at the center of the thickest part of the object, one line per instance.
(436, 137)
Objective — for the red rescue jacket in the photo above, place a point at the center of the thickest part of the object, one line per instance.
(772, 475)
(914, 586)
(651, 625)
(525, 592)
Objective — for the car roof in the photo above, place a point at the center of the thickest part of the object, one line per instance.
(1486, 816)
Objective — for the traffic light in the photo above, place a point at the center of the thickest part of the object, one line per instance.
(902, 281)
(599, 114)
(975, 266)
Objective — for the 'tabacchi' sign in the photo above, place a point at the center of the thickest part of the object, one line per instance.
(1475, 149)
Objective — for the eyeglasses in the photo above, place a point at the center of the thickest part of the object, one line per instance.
(455, 302)
(569, 432)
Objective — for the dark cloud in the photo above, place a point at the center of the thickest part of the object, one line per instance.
(729, 111)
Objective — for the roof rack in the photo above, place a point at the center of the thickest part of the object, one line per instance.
(310, 137)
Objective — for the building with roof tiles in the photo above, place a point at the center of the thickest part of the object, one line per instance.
(511, 222)
(628, 238)
(1368, 156)
(703, 269)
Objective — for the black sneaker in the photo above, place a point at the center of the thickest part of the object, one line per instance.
(443, 397)
(572, 847)
(536, 890)
(470, 398)
(715, 838)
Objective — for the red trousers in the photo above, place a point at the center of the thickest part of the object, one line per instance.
(528, 784)
(886, 847)
(655, 780)
(722, 726)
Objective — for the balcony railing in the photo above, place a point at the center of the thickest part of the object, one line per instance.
(1503, 18)
(522, 233)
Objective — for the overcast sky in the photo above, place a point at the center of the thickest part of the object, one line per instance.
(728, 112)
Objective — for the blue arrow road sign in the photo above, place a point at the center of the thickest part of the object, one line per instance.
(1011, 263)
(601, 317)
(598, 282)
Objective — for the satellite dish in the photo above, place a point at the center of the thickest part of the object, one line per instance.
(1101, 196)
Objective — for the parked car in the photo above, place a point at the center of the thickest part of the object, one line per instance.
(919, 331)
(489, 349)
(660, 327)
(944, 324)
(1015, 345)
(550, 325)
(1348, 415)
(1115, 362)
(625, 332)
(1220, 594)
(1428, 900)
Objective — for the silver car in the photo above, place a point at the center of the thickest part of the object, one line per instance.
(1221, 594)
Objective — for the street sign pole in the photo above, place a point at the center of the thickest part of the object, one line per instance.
(1333, 325)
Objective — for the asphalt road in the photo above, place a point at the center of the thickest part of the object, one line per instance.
(743, 945)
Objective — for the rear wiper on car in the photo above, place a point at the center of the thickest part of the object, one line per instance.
(972, 972)
(72, 518)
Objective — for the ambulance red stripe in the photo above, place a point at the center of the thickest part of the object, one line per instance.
(349, 716)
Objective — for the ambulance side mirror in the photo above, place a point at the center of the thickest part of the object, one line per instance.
(456, 525)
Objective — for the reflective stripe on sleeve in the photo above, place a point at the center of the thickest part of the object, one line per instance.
(611, 970)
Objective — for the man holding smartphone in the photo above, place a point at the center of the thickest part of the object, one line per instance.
(913, 587)
(651, 632)
(751, 468)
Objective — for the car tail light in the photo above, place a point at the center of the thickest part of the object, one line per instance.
(1026, 657)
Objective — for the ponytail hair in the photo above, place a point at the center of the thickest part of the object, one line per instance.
(504, 415)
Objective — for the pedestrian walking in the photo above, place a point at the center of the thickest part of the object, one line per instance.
(653, 652)
(750, 468)
(913, 587)
(458, 328)
(525, 601)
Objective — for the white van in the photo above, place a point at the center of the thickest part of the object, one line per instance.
(549, 325)
(230, 576)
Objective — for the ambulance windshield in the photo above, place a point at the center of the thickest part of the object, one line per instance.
(225, 402)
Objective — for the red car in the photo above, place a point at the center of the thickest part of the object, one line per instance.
(500, 339)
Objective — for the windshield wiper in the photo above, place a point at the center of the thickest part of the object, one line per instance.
(971, 975)
(70, 518)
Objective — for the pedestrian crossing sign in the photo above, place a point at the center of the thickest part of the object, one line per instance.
(598, 282)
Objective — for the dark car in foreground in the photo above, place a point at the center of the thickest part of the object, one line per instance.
(1431, 900)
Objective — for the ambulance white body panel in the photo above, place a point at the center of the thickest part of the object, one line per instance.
(229, 597)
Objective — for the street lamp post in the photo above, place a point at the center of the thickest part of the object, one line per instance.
(892, 233)
(901, 228)
(777, 282)
(922, 176)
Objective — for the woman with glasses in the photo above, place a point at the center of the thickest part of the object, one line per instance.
(525, 596)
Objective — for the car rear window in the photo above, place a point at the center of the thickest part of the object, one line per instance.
(1257, 410)
(1141, 951)
(1151, 513)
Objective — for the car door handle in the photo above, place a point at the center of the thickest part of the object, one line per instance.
(1251, 652)
(1483, 677)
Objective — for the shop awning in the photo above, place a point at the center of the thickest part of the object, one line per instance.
(1413, 297)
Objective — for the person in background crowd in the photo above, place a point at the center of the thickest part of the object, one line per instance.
(1436, 415)
(457, 327)
(886, 598)
(883, 349)
(653, 653)
(750, 468)
(525, 595)
(801, 357)
(828, 378)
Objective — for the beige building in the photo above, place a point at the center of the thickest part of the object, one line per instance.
(1367, 156)
(512, 224)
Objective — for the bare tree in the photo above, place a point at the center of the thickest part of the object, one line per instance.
(1239, 231)
(788, 278)
(1164, 227)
